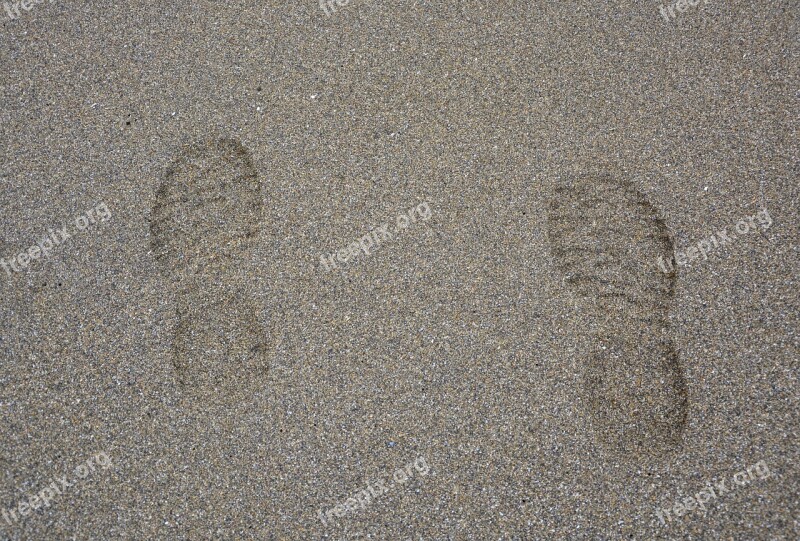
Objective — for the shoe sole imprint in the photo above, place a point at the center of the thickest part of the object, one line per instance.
(204, 224)
(606, 238)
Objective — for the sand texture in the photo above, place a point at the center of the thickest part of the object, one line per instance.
(399, 271)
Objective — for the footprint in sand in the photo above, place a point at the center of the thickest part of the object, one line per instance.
(605, 238)
(204, 227)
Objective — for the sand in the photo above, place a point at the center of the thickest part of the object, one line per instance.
(181, 363)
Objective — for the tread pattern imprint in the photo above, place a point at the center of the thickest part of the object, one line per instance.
(605, 239)
(204, 226)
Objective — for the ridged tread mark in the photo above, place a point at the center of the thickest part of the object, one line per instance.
(606, 238)
(204, 223)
